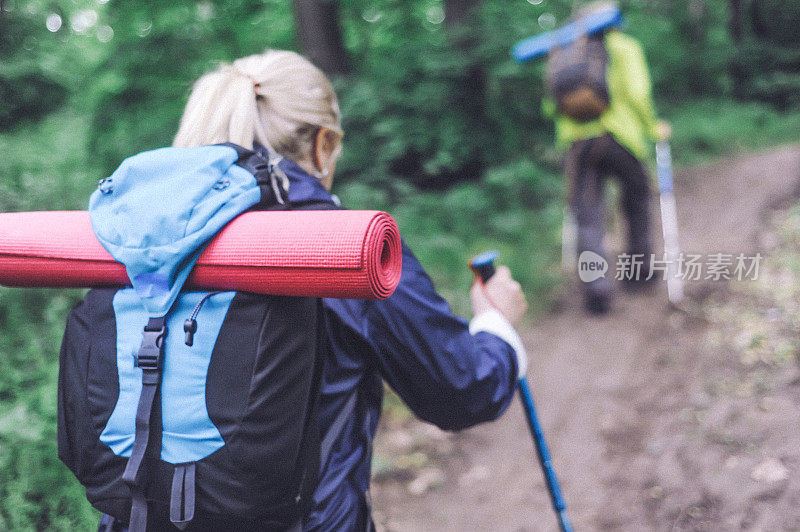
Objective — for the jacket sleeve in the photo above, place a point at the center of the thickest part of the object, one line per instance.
(632, 65)
(446, 375)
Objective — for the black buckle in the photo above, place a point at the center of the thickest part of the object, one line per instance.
(152, 348)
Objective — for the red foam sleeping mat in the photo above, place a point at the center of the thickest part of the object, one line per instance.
(334, 253)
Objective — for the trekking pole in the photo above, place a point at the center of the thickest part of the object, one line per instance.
(669, 221)
(483, 267)
(569, 241)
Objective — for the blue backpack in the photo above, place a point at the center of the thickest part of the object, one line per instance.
(192, 409)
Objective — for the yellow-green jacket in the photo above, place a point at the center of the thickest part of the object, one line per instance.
(630, 117)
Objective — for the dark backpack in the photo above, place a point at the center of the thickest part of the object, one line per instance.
(205, 418)
(240, 443)
(576, 78)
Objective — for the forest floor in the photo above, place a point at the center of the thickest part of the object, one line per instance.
(656, 419)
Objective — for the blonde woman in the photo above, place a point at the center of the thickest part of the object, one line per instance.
(449, 372)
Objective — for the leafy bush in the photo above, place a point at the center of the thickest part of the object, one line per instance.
(36, 490)
(516, 209)
(45, 166)
(713, 127)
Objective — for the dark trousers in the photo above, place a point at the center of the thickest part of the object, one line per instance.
(588, 163)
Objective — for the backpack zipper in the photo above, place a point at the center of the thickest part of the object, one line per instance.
(190, 325)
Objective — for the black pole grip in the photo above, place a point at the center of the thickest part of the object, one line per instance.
(483, 265)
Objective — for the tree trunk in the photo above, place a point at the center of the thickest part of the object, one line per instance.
(320, 37)
(457, 11)
(472, 90)
(736, 28)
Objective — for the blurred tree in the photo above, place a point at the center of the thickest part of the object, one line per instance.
(765, 62)
(776, 21)
(158, 51)
(458, 11)
(28, 91)
(320, 36)
(736, 25)
(471, 96)
(737, 33)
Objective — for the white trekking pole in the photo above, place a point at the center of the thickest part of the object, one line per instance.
(569, 241)
(669, 222)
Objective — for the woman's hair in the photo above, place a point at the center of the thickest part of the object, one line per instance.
(278, 99)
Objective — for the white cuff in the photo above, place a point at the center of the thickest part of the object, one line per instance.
(492, 321)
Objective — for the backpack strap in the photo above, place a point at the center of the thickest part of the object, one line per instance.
(149, 359)
(269, 177)
(181, 501)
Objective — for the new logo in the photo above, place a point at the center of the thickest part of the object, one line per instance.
(591, 266)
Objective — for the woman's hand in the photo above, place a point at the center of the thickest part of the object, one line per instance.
(663, 130)
(501, 292)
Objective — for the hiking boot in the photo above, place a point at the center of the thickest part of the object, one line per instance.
(640, 285)
(597, 297)
(640, 281)
(597, 304)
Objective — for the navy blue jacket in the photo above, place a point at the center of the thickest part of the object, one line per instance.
(411, 340)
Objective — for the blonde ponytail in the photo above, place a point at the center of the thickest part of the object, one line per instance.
(278, 99)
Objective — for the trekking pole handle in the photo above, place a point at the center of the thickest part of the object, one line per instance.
(483, 265)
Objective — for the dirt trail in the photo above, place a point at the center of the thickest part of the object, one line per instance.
(614, 394)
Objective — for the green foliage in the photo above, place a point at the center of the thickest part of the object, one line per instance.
(36, 491)
(769, 73)
(27, 89)
(53, 171)
(424, 120)
(767, 60)
(776, 21)
(687, 45)
(159, 50)
(713, 127)
(516, 210)
(47, 165)
(23, 96)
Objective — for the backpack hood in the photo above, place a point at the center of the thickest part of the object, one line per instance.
(156, 213)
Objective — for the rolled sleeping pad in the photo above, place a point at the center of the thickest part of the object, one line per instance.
(541, 44)
(332, 253)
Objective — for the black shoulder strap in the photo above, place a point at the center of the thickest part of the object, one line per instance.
(313, 205)
(182, 497)
(270, 179)
(147, 440)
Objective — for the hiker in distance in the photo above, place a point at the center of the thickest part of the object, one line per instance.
(449, 372)
(599, 95)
